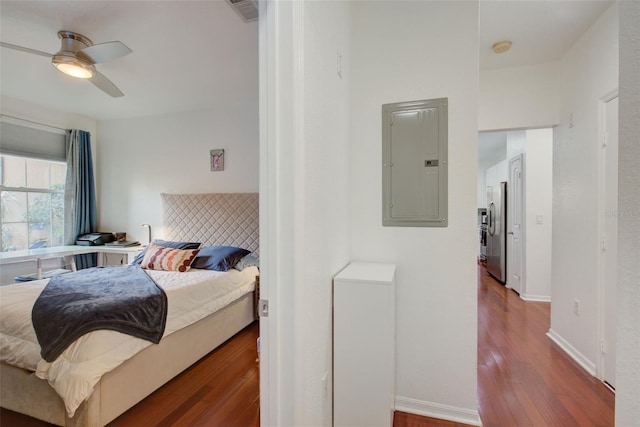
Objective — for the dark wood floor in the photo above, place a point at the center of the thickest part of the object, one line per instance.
(222, 389)
(524, 379)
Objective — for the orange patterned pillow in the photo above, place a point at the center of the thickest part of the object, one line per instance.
(168, 259)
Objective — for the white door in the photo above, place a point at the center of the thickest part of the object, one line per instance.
(515, 219)
(610, 238)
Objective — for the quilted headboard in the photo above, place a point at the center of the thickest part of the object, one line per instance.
(226, 219)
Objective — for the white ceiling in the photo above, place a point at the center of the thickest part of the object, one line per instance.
(187, 55)
(540, 31)
(190, 55)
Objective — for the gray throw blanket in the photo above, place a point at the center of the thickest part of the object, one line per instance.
(123, 299)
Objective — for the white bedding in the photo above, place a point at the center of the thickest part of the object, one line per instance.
(191, 296)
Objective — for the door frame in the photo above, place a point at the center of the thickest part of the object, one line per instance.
(601, 315)
(281, 113)
(510, 198)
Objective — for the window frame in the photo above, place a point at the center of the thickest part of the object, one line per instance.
(27, 191)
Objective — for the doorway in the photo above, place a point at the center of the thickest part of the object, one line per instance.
(515, 220)
(524, 159)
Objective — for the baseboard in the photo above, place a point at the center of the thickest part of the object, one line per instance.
(535, 298)
(580, 358)
(437, 410)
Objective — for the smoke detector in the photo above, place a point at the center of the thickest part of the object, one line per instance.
(247, 9)
(502, 46)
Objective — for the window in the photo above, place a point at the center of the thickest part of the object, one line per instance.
(32, 202)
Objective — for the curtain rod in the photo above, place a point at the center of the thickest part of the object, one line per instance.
(32, 121)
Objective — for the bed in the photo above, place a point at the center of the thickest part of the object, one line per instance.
(213, 219)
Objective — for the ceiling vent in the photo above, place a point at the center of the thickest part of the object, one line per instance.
(247, 9)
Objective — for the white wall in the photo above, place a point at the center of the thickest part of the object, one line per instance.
(398, 55)
(492, 149)
(588, 72)
(628, 322)
(304, 185)
(518, 97)
(323, 201)
(45, 116)
(140, 158)
(496, 174)
(482, 189)
(516, 144)
(538, 189)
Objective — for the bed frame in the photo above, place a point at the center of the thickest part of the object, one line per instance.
(213, 219)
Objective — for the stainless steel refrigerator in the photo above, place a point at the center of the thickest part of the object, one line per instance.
(496, 231)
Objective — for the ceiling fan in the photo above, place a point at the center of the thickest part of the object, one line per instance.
(77, 58)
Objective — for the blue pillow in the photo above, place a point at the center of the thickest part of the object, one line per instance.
(219, 258)
(166, 244)
(247, 261)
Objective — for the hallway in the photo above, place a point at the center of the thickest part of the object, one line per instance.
(524, 379)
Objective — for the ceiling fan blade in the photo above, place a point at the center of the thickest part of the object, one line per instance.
(25, 49)
(104, 52)
(105, 85)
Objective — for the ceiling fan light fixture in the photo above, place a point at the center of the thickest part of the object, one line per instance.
(77, 58)
(73, 66)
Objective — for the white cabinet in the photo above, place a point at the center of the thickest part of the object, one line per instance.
(364, 345)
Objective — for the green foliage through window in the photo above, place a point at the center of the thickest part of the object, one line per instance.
(31, 217)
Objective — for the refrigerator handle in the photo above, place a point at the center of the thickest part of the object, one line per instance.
(490, 220)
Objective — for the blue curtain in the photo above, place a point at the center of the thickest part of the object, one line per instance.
(80, 193)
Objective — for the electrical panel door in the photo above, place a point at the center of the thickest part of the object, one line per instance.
(414, 163)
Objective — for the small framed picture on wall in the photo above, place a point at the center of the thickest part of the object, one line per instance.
(217, 160)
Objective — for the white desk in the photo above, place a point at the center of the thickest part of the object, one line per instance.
(39, 254)
(130, 251)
